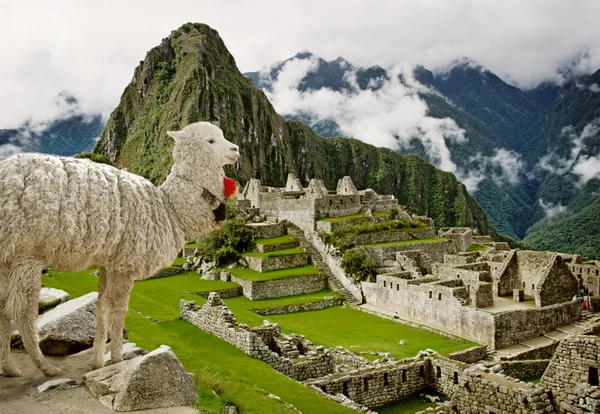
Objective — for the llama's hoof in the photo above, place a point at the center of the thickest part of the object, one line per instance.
(51, 371)
(11, 372)
(97, 365)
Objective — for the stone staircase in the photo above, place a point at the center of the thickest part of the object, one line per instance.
(334, 284)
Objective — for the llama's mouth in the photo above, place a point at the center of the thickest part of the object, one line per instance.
(233, 158)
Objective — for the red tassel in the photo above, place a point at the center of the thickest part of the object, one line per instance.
(230, 187)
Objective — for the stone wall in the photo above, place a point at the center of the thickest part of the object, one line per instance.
(268, 230)
(322, 304)
(470, 355)
(265, 343)
(573, 373)
(512, 327)
(478, 392)
(276, 288)
(390, 236)
(524, 369)
(461, 237)
(267, 264)
(433, 304)
(223, 294)
(435, 250)
(337, 205)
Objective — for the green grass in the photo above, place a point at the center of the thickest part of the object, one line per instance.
(217, 366)
(353, 217)
(178, 262)
(409, 405)
(534, 380)
(407, 242)
(285, 252)
(250, 274)
(275, 240)
(345, 326)
(478, 248)
(191, 245)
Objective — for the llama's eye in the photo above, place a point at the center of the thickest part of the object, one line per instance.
(211, 141)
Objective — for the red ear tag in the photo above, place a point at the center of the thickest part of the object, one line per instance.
(230, 187)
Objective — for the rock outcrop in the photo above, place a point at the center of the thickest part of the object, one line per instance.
(49, 295)
(155, 380)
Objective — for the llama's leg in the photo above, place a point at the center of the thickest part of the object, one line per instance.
(117, 294)
(101, 328)
(7, 367)
(27, 273)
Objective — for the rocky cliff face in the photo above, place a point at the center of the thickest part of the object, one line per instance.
(191, 76)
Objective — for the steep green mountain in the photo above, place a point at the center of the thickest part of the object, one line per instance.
(68, 135)
(191, 76)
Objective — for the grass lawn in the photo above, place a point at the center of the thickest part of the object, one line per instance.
(250, 274)
(354, 217)
(407, 242)
(178, 262)
(534, 380)
(348, 327)
(275, 240)
(285, 252)
(409, 405)
(217, 366)
(478, 248)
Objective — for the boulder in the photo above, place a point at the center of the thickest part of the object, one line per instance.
(209, 272)
(49, 295)
(58, 384)
(155, 380)
(68, 328)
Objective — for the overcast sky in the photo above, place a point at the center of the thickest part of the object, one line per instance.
(91, 48)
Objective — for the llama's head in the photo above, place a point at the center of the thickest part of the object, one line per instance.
(209, 137)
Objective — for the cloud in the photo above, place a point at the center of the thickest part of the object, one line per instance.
(503, 167)
(592, 88)
(67, 46)
(552, 210)
(392, 116)
(8, 150)
(578, 163)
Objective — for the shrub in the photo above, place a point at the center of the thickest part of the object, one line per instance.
(358, 264)
(226, 244)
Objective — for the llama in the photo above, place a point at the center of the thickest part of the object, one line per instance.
(73, 214)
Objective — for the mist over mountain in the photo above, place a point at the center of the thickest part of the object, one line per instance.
(525, 155)
(69, 133)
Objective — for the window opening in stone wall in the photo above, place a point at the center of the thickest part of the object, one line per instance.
(403, 375)
(439, 296)
(366, 384)
(384, 285)
(397, 286)
(439, 372)
(523, 285)
(430, 294)
(345, 388)
(324, 388)
(391, 285)
(596, 272)
(385, 379)
(421, 371)
(532, 286)
(458, 276)
(593, 376)
(455, 377)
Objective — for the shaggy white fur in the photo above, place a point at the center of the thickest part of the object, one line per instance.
(73, 214)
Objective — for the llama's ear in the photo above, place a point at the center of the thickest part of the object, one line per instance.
(176, 135)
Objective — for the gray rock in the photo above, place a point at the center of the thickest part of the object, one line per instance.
(68, 328)
(402, 342)
(58, 384)
(155, 380)
(209, 272)
(130, 351)
(48, 295)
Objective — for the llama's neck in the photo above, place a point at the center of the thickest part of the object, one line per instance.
(187, 192)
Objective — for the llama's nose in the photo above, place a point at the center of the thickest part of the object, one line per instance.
(235, 148)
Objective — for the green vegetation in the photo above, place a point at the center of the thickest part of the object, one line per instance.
(407, 242)
(352, 217)
(478, 248)
(178, 262)
(343, 237)
(285, 252)
(192, 245)
(534, 380)
(249, 274)
(275, 240)
(357, 263)
(92, 156)
(224, 245)
(409, 405)
(44, 306)
(365, 333)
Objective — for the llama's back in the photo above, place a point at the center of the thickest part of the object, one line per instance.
(76, 213)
